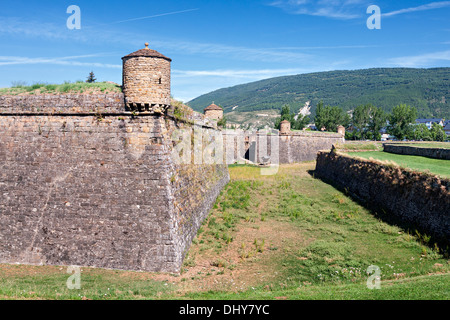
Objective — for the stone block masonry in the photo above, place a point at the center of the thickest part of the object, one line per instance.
(276, 147)
(146, 80)
(414, 200)
(436, 153)
(64, 103)
(86, 183)
(304, 145)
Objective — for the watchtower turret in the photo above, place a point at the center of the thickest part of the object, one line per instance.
(146, 80)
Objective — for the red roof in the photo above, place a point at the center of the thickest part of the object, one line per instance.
(213, 107)
(146, 52)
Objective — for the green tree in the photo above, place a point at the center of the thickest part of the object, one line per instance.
(320, 117)
(421, 132)
(301, 122)
(330, 117)
(360, 121)
(367, 121)
(91, 78)
(377, 120)
(437, 132)
(285, 114)
(296, 124)
(400, 119)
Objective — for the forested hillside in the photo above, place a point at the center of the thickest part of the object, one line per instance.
(426, 89)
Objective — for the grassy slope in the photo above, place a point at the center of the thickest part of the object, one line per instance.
(435, 166)
(255, 118)
(359, 146)
(287, 236)
(384, 87)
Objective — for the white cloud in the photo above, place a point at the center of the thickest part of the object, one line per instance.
(24, 28)
(336, 9)
(423, 60)
(230, 51)
(67, 61)
(34, 29)
(156, 15)
(252, 74)
(429, 6)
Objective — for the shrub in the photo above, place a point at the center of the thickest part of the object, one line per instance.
(18, 84)
(66, 87)
(51, 87)
(37, 86)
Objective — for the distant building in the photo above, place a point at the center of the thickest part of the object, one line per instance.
(213, 112)
(429, 122)
(447, 128)
(285, 127)
(386, 137)
(341, 130)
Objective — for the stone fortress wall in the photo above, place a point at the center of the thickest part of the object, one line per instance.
(304, 145)
(91, 179)
(413, 200)
(436, 153)
(275, 148)
(91, 103)
(97, 186)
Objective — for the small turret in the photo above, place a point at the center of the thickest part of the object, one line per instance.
(285, 127)
(146, 80)
(213, 112)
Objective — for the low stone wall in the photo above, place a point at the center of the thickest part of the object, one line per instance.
(411, 199)
(279, 149)
(62, 102)
(303, 146)
(437, 153)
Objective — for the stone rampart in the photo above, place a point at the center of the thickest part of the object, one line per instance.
(75, 103)
(414, 200)
(83, 182)
(436, 153)
(304, 145)
(278, 148)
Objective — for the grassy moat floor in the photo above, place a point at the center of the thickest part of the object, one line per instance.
(285, 236)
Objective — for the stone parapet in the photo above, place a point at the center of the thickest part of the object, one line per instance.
(100, 192)
(436, 153)
(62, 103)
(414, 200)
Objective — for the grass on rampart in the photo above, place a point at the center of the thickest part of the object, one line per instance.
(286, 236)
(67, 87)
(359, 146)
(434, 166)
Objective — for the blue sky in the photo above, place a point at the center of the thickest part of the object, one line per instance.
(221, 43)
